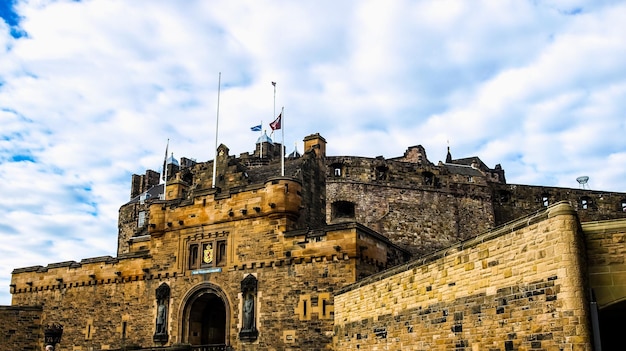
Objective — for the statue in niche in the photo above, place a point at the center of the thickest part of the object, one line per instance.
(248, 312)
(162, 299)
(248, 330)
(160, 320)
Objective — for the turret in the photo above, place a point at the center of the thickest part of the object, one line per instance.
(316, 143)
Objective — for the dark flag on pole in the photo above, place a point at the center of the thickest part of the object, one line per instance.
(276, 124)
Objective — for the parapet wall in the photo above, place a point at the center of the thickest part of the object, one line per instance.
(514, 288)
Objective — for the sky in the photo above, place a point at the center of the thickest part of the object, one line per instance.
(90, 92)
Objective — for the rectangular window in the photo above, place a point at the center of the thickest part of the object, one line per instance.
(141, 219)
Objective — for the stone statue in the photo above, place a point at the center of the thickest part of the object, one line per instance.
(160, 336)
(248, 330)
(161, 315)
(248, 313)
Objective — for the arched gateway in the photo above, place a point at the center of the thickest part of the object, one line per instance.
(205, 316)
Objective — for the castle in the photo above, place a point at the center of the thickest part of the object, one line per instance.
(340, 253)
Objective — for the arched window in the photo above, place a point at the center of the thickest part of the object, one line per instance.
(337, 169)
(623, 205)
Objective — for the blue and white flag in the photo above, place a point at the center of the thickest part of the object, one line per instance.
(256, 128)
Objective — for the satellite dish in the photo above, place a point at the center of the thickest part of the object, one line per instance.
(582, 180)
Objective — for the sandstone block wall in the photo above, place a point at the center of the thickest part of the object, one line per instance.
(110, 302)
(520, 287)
(20, 328)
(294, 306)
(606, 249)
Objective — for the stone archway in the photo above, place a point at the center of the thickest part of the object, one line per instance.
(205, 316)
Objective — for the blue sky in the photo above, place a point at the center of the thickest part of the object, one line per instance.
(90, 91)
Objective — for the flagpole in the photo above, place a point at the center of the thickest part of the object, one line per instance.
(260, 138)
(274, 84)
(165, 169)
(217, 123)
(282, 145)
(274, 112)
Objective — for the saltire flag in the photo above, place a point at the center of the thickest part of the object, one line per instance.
(276, 124)
(256, 128)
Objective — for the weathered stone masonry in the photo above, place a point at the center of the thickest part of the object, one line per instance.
(519, 287)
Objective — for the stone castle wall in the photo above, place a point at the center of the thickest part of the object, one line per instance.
(606, 250)
(120, 310)
(21, 328)
(512, 201)
(421, 220)
(518, 287)
(110, 302)
(425, 207)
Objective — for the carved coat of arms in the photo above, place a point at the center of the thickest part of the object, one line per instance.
(207, 254)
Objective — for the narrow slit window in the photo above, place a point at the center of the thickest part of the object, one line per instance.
(221, 252)
(304, 308)
(193, 256)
